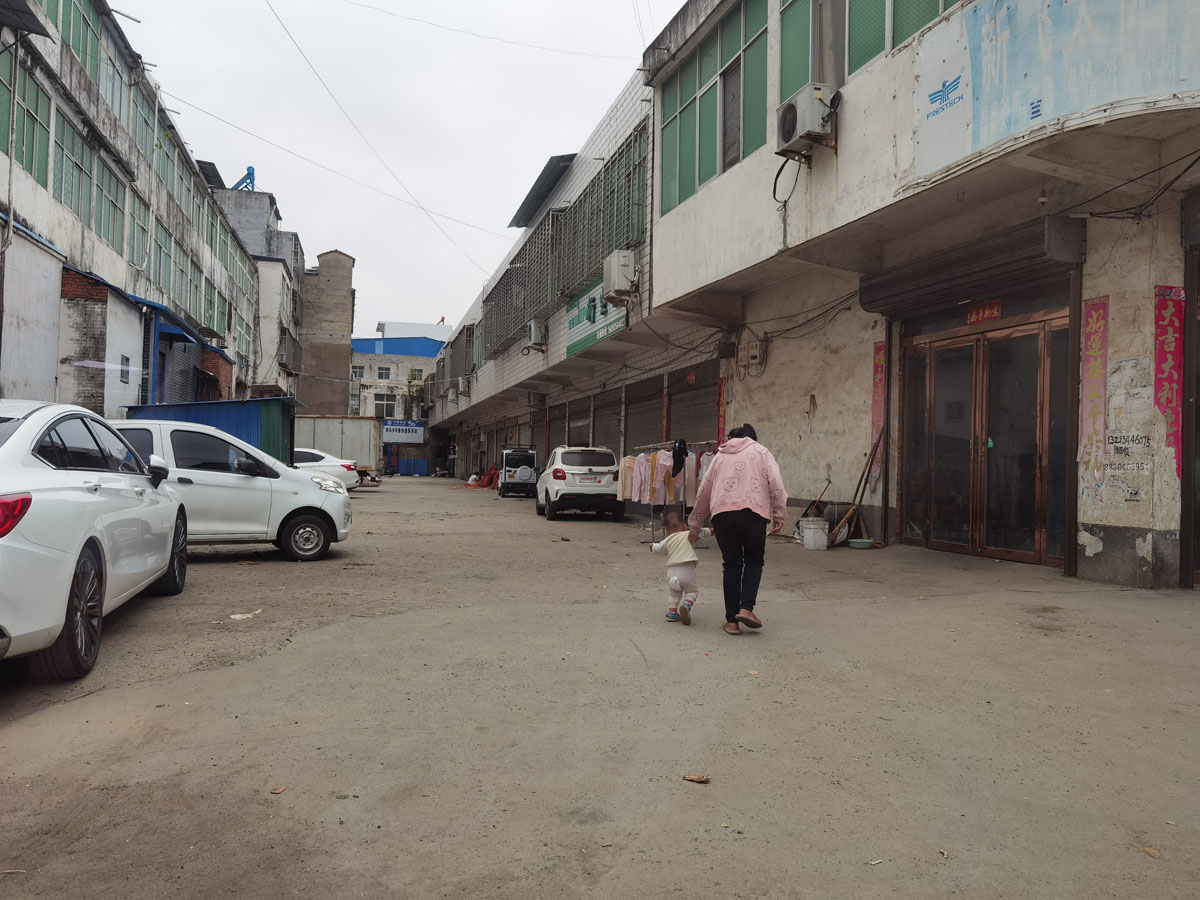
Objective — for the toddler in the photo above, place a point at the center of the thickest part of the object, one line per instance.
(681, 566)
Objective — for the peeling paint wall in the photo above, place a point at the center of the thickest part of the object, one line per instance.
(29, 363)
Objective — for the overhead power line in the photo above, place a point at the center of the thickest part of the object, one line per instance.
(486, 37)
(320, 165)
(370, 146)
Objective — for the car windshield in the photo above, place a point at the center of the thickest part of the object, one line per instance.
(8, 425)
(595, 459)
(516, 460)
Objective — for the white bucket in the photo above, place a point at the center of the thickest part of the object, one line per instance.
(816, 533)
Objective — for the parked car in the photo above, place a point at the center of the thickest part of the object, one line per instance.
(518, 473)
(345, 470)
(236, 493)
(85, 525)
(582, 478)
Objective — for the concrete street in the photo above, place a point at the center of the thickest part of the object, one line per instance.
(468, 701)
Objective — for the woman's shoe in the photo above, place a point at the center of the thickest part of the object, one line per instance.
(749, 619)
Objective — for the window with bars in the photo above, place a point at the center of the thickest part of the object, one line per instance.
(139, 230)
(876, 26)
(714, 106)
(355, 401)
(31, 142)
(110, 207)
(74, 162)
(143, 123)
(114, 76)
(162, 257)
(795, 46)
(80, 30)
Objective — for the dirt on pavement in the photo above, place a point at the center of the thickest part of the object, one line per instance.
(465, 700)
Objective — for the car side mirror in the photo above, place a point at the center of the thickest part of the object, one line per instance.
(248, 466)
(158, 470)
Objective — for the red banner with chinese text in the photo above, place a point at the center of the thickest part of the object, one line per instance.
(878, 403)
(1093, 388)
(1168, 364)
(984, 312)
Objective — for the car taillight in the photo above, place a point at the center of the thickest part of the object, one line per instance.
(558, 475)
(12, 511)
(348, 467)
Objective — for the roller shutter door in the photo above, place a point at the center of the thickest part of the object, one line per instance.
(606, 421)
(558, 426)
(693, 415)
(524, 434)
(539, 436)
(643, 423)
(579, 430)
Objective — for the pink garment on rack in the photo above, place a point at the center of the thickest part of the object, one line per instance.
(662, 482)
(691, 481)
(641, 479)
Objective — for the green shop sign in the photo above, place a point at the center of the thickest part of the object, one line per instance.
(590, 320)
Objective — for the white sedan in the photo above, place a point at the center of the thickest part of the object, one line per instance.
(345, 470)
(84, 526)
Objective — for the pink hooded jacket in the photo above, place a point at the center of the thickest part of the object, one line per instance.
(744, 475)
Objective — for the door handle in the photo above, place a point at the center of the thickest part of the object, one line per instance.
(139, 492)
(92, 486)
(183, 480)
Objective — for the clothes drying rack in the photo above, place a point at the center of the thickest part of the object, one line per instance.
(693, 447)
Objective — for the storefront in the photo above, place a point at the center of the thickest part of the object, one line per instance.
(987, 429)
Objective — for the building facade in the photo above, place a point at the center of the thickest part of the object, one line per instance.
(123, 278)
(950, 231)
(327, 294)
(387, 375)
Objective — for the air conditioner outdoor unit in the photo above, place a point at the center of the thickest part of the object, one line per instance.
(804, 119)
(538, 336)
(453, 395)
(620, 277)
(464, 385)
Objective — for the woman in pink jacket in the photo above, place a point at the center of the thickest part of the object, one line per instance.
(743, 492)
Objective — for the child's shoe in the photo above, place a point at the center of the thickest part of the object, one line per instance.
(673, 615)
(685, 612)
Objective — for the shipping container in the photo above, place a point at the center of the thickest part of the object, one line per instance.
(265, 423)
(347, 437)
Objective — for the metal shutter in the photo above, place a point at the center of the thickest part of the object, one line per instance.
(606, 421)
(524, 434)
(693, 415)
(558, 426)
(538, 440)
(579, 428)
(643, 423)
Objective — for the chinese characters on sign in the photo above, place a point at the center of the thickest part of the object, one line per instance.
(403, 431)
(1093, 388)
(878, 404)
(1168, 363)
(984, 312)
(721, 410)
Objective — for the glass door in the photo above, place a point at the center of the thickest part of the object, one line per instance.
(952, 446)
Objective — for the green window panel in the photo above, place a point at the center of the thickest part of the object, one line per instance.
(756, 17)
(670, 97)
(210, 304)
(81, 31)
(795, 52)
(139, 231)
(709, 59)
(754, 95)
(74, 161)
(31, 142)
(687, 79)
(867, 32)
(731, 37)
(162, 257)
(910, 16)
(110, 207)
(687, 151)
(670, 165)
(709, 133)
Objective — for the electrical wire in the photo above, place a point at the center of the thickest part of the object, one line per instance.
(329, 169)
(1129, 181)
(487, 37)
(1139, 212)
(775, 187)
(637, 17)
(370, 146)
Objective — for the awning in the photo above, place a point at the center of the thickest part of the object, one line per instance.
(1035, 252)
(17, 14)
(174, 333)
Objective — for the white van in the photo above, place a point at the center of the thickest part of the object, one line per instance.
(236, 493)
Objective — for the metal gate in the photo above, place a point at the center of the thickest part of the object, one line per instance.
(524, 434)
(606, 421)
(558, 426)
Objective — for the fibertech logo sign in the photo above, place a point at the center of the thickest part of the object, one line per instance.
(948, 95)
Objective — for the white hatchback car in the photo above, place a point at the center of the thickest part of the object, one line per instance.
(317, 461)
(84, 526)
(236, 493)
(579, 478)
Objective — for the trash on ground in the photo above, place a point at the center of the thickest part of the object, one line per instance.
(565, 540)
(724, 824)
(609, 844)
(278, 790)
(13, 872)
(239, 616)
(874, 862)
(752, 671)
(945, 855)
(698, 779)
(1149, 851)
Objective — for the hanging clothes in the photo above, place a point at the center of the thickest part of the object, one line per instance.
(640, 488)
(691, 481)
(705, 461)
(661, 478)
(654, 477)
(625, 478)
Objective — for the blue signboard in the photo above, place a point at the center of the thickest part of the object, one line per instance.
(403, 431)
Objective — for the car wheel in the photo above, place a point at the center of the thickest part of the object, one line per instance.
(172, 581)
(501, 491)
(551, 512)
(305, 538)
(619, 514)
(75, 651)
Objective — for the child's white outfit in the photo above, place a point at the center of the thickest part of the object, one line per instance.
(681, 573)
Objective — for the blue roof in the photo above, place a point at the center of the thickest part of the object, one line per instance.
(406, 346)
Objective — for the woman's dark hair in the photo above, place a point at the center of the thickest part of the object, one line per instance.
(745, 430)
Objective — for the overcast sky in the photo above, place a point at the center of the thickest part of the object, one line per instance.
(465, 123)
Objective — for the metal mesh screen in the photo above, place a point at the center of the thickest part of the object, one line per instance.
(795, 26)
(462, 352)
(867, 26)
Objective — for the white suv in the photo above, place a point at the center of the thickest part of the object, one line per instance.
(236, 493)
(579, 478)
